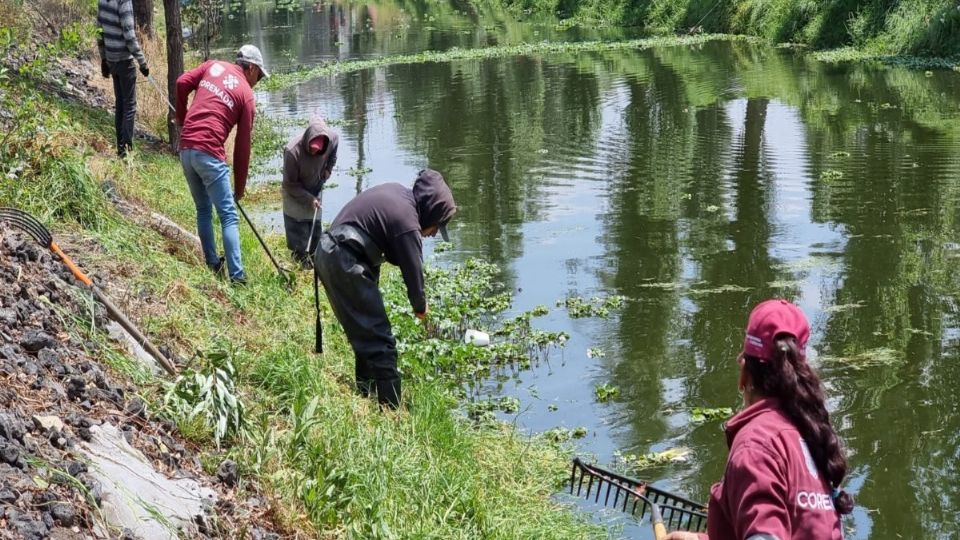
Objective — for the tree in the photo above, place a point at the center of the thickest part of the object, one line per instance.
(143, 14)
(174, 31)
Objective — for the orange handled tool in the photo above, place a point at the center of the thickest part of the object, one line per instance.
(35, 229)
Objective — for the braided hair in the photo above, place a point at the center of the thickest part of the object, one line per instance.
(790, 378)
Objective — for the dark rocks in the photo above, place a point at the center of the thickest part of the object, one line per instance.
(28, 527)
(36, 340)
(63, 514)
(227, 472)
(76, 468)
(11, 427)
(7, 496)
(76, 388)
(136, 408)
(10, 454)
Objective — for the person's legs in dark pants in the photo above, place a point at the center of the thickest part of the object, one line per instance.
(125, 90)
(298, 238)
(354, 295)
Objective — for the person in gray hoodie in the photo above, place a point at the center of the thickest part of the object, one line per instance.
(308, 160)
(384, 223)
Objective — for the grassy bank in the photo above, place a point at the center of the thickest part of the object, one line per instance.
(908, 27)
(331, 464)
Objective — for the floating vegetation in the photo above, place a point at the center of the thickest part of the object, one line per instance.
(552, 408)
(539, 311)
(699, 415)
(851, 54)
(483, 410)
(577, 307)
(666, 285)
(283, 80)
(442, 247)
(785, 284)
(461, 297)
(596, 352)
(840, 154)
(721, 289)
(359, 171)
(831, 175)
(712, 208)
(653, 459)
(560, 434)
(331, 185)
(605, 392)
(882, 356)
(843, 307)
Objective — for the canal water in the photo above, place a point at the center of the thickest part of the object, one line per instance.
(695, 182)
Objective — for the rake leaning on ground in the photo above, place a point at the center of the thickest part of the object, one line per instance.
(28, 224)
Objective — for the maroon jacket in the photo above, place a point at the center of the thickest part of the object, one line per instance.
(223, 99)
(771, 488)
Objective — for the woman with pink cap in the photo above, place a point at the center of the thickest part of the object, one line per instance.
(786, 465)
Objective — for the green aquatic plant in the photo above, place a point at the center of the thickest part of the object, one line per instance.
(881, 356)
(605, 392)
(561, 434)
(483, 410)
(578, 307)
(282, 80)
(699, 415)
(831, 175)
(359, 171)
(596, 352)
(638, 462)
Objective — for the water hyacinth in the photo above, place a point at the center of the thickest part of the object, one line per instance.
(283, 80)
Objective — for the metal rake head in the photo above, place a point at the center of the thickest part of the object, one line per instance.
(631, 496)
(28, 224)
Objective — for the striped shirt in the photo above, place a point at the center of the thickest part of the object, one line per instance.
(118, 40)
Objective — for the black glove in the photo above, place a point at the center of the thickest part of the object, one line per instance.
(104, 69)
(145, 70)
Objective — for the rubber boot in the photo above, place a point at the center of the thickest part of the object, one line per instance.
(388, 393)
(364, 387)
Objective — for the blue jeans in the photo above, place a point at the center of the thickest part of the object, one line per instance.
(209, 181)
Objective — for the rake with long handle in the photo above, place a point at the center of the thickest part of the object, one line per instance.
(636, 497)
(285, 274)
(162, 94)
(35, 229)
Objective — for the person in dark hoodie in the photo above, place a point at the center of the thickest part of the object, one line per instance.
(308, 160)
(786, 465)
(383, 223)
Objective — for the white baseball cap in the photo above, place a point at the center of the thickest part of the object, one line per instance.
(251, 55)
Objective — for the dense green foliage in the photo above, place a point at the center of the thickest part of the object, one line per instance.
(926, 27)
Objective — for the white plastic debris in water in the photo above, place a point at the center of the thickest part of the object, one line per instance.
(135, 495)
(476, 337)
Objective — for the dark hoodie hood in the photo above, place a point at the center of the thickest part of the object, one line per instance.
(316, 128)
(435, 204)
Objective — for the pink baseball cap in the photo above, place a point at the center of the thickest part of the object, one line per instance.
(769, 320)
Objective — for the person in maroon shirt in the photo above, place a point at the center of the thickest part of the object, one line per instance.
(223, 99)
(786, 465)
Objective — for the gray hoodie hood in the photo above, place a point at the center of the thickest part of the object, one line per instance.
(304, 174)
(435, 204)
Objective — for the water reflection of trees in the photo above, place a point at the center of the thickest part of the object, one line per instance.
(896, 202)
(488, 126)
